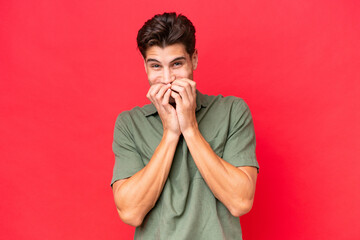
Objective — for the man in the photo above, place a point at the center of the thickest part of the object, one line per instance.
(185, 165)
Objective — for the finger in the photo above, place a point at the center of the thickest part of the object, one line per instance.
(158, 98)
(154, 89)
(166, 99)
(191, 82)
(160, 95)
(189, 85)
(177, 98)
(180, 90)
(185, 90)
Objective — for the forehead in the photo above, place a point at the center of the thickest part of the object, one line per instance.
(167, 53)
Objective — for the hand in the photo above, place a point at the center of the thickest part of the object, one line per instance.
(159, 95)
(184, 93)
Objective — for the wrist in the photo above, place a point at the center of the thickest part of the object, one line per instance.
(191, 131)
(170, 136)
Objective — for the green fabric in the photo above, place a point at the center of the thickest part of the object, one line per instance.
(186, 208)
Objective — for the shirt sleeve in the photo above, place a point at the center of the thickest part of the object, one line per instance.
(239, 148)
(127, 159)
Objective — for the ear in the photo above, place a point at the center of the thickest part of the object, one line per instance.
(145, 65)
(194, 59)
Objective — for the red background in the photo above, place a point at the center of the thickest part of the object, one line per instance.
(67, 68)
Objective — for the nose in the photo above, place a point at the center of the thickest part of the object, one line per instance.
(168, 77)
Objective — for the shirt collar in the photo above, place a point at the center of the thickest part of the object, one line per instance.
(150, 109)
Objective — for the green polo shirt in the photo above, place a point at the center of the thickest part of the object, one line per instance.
(186, 208)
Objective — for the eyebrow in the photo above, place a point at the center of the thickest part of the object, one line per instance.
(178, 58)
(152, 60)
(174, 60)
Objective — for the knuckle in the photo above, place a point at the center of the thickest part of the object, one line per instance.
(153, 93)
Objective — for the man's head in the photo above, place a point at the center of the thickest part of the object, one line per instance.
(167, 43)
(164, 30)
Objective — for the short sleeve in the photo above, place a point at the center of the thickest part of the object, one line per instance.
(239, 148)
(127, 159)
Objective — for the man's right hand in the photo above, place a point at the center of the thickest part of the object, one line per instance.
(159, 95)
(137, 195)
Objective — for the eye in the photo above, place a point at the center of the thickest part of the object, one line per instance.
(156, 66)
(178, 64)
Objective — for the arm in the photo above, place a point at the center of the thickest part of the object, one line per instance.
(136, 196)
(234, 187)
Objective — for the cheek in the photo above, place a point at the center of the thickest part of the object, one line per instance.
(153, 77)
(183, 73)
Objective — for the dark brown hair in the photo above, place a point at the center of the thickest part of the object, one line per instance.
(166, 29)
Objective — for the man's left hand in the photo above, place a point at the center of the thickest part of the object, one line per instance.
(184, 93)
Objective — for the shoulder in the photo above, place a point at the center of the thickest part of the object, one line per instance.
(232, 100)
(128, 117)
(226, 103)
(136, 112)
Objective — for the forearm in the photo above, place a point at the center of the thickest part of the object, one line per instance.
(232, 186)
(138, 194)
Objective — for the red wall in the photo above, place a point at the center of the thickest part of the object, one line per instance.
(67, 68)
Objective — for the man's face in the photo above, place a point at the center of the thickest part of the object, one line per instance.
(164, 65)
